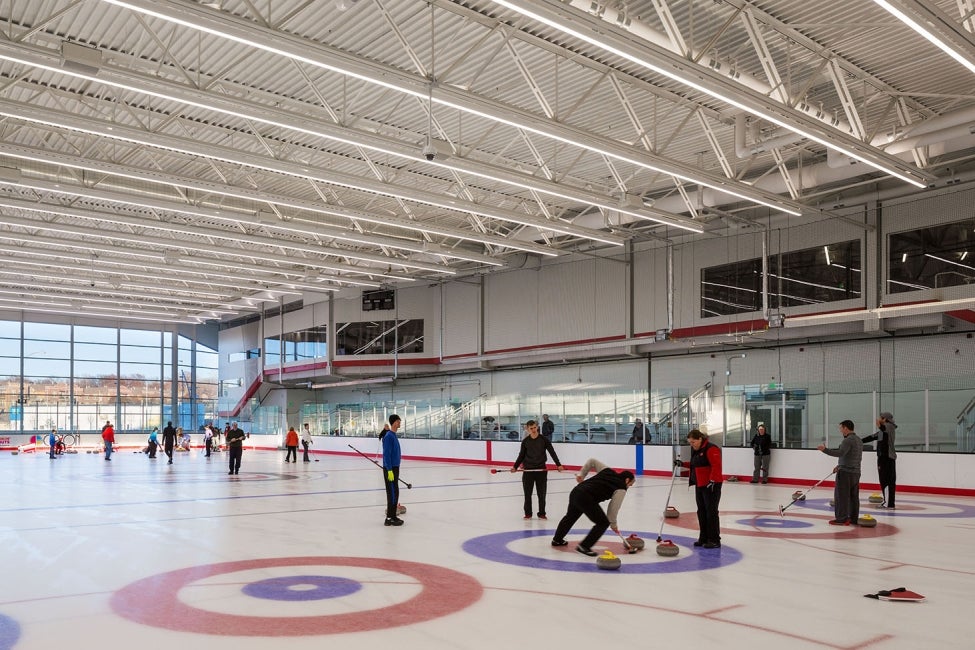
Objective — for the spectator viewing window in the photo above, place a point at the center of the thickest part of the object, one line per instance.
(311, 343)
(380, 337)
(931, 258)
(731, 288)
(809, 276)
(815, 275)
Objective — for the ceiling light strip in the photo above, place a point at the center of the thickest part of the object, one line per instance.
(290, 224)
(685, 77)
(240, 35)
(199, 231)
(924, 20)
(160, 141)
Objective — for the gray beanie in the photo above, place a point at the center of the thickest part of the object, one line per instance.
(888, 416)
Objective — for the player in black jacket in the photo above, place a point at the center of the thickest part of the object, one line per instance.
(585, 499)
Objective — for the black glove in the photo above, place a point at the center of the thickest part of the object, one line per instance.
(677, 463)
(710, 486)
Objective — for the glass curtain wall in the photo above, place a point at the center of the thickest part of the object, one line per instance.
(75, 378)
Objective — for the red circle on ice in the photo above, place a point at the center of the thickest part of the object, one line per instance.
(155, 600)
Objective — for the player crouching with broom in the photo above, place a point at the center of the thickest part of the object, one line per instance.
(585, 498)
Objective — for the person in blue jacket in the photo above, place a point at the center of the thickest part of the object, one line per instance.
(53, 441)
(391, 461)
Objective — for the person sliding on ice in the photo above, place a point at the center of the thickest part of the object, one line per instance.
(585, 499)
(532, 455)
(391, 461)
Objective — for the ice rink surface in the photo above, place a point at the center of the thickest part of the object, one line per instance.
(136, 553)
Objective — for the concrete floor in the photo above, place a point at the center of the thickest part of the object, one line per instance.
(138, 553)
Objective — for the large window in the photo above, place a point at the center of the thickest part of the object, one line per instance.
(303, 345)
(805, 277)
(77, 377)
(931, 258)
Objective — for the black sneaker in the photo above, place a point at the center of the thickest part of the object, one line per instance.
(559, 542)
(712, 545)
(393, 521)
(586, 551)
(753, 481)
(699, 543)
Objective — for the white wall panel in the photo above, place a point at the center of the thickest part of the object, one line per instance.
(566, 304)
(649, 290)
(610, 297)
(511, 309)
(462, 318)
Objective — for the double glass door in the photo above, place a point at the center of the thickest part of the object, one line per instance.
(784, 421)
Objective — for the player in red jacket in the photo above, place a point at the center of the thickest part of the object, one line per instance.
(706, 477)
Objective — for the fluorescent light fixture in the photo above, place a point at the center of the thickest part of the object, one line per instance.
(56, 308)
(914, 309)
(179, 245)
(687, 80)
(903, 258)
(828, 261)
(964, 255)
(199, 231)
(334, 232)
(284, 168)
(423, 92)
(351, 382)
(938, 29)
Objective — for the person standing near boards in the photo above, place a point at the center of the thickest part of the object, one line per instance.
(548, 428)
(762, 444)
(306, 441)
(108, 435)
(886, 457)
(391, 461)
(532, 457)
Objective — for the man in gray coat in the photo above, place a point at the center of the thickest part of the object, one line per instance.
(846, 494)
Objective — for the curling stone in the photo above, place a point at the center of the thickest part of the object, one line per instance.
(732, 479)
(400, 509)
(608, 561)
(635, 542)
(876, 497)
(798, 496)
(14, 452)
(667, 548)
(867, 521)
(832, 503)
(671, 513)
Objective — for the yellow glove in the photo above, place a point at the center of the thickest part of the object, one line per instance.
(389, 475)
